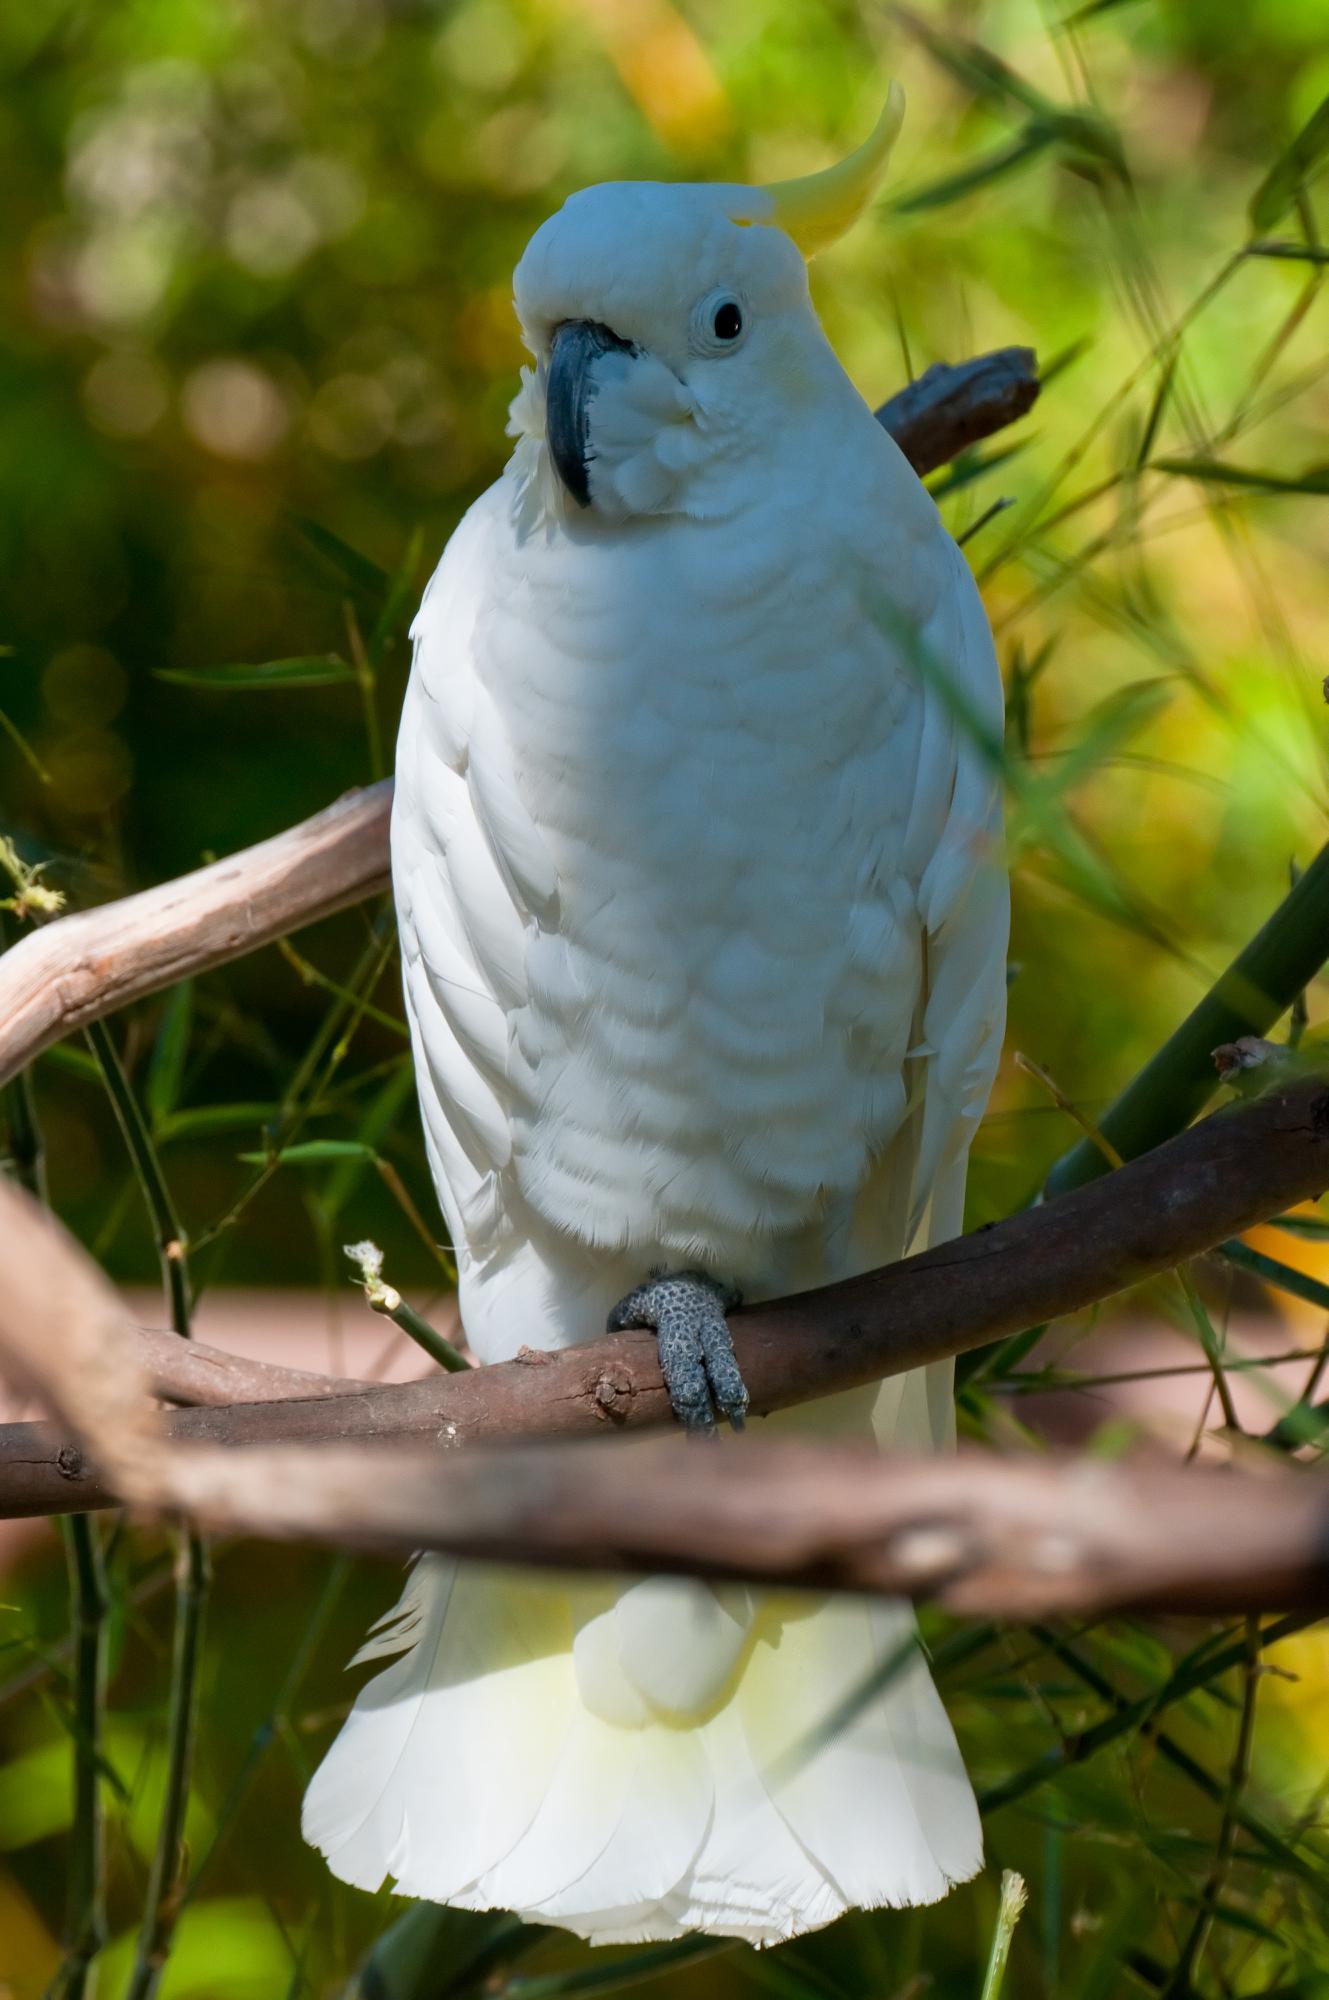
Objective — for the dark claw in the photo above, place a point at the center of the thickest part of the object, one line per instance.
(686, 1311)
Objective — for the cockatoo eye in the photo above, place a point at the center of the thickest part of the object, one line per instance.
(719, 322)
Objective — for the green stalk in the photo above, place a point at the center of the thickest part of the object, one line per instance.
(424, 1335)
(85, 1918)
(276, 1720)
(1259, 986)
(162, 1902)
(85, 1910)
(1129, 1715)
(1013, 1898)
(386, 1299)
(1188, 1960)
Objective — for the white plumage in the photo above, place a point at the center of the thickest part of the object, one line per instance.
(696, 854)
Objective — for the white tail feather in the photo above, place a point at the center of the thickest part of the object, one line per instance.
(474, 1772)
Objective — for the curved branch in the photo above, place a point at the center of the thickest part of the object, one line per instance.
(1012, 1538)
(86, 965)
(1233, 1170)
(949, 408)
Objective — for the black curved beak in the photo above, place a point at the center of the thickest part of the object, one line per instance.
(569, 392)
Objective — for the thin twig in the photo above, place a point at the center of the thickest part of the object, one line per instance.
(161, 1903)
(1238, 1773)
(1011, 1903)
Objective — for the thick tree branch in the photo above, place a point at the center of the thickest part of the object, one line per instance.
(987, 1537)
(85, 966)
(948, 408)
(1235, 1169)
(1016, 1538)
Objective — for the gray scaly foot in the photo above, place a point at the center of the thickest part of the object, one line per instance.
(686, 1312)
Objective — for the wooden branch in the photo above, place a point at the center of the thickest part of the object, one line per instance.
(187, 1372)
(947, 409)
(1015, 1538)
(1233, 1170)
(88, 964)
(987, 1537)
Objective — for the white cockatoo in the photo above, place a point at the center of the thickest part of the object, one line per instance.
(696, 848)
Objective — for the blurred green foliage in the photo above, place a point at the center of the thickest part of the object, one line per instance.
(259, 347)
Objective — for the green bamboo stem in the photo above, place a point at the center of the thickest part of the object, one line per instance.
(1259, 986)
(1131, 1715)
(172, 1245)
(272, 1725)
(162, 1902)
(85, 1911)
(85, 1920)
(424, 1335)
(387, 1300)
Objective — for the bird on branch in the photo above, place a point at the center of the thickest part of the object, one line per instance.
(697, 858)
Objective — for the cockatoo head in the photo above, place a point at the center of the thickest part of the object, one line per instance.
(673, 331)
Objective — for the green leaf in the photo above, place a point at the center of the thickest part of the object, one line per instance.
(1214, 471)
(977, 68)
(377, 1122)
(363, 576)
(314, 1153)
(167, 1067)
(1162, 396)
(620, 1974)
(1064, 358)
(1315, 1228)
(969, 466)
(398, 601)
(1094, 7)
(1296, 253)
(1290, 172)
(304, 671)
(432, 1950)
(22, 745)
(1281, 1276)
(992, 167)
(200, 1121)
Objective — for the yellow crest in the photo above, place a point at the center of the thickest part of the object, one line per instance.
(818, 208)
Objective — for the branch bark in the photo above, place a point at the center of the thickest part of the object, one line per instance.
(987, 1537)
(1013, 1538)
(187, 1372)
(949, 408)
(1222, 1176)
(87, 965)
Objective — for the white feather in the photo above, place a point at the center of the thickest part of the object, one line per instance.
(703, 925)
